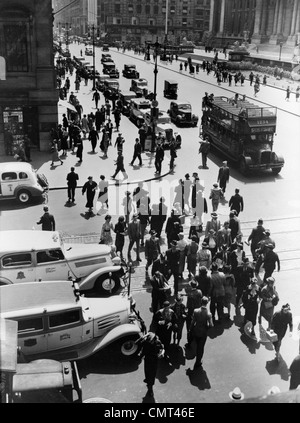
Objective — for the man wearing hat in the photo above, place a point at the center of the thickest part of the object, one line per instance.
(173, 257)
(262, 249)
(137, 153)
(243, 276)
(223, 176)
(165, 319)
(194, 297)
(250, 299)
(215, 196)
(201, 323)
(269, 298)
(120, 166)
(204, 256)
(143, 135)
(152, 249)
(279, 324)
(90, 188)
(119, 142)
(134, 234)
(256, 235)
(47, 220)
(214, 224)
(159, 291)
(204, 150)
(270, 260)
(236, 202)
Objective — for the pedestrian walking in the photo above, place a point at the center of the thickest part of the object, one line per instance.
(142, 135)
(215, 196)
(288, 93)
(269, 298)
(229, 286)
(54, 153)
(173, 154)
(120, 231)
(79, 151)
(103, 191)
(279, 324)
(269, 261)
(47, 220)
(134, 234)
(152, 350)
(137, 153)
(96, 98)
(256, 235)
(165, 320)
(223, 176)
(159, 157)
(172, 257)
(201, 323)
(119, 142)
(180, 311)
(106, 230)
(191, 256)
(117, 116)
(127, 204)
(152, 249)
(256, 89)
(250, 301)
(251, 78)
(160, 287)
(93, 138)
(204, 256)
(236, 202)
(120, 166)
(89, 188)
(99, 121)
(217, 293)
(72, 179)
(204, 150)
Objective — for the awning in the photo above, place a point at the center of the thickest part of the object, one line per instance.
(67, 105)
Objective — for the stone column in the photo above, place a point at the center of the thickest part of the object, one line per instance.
(273, 38)
(222, 16)
(256, 37)
(211, 15)
(264, 18)
(291, 41)
(279, 24)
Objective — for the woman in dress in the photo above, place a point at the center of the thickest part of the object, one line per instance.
(90, 188)
(269, 298)
(192, 256)
(54, 152)
(106, 230)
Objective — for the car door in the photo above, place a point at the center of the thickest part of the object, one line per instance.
(32, 337)
(9, 182)
(18, 267)
(68, 329)
(51, 265)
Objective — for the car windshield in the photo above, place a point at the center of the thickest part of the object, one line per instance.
(184, 106)
(164, 119)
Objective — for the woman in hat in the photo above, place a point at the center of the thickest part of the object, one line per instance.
(269, 298)
(165, 319)
(250, 300)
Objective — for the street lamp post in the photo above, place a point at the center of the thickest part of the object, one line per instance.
(154, 109)
(280, 49)
(93, 28)
(68, 28)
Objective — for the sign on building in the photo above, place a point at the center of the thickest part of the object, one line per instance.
(2, 69)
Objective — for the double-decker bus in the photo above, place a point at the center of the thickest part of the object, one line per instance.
(242, 131)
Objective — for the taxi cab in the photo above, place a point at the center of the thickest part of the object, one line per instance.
(56, 322)
(29, 255)
(18, 180)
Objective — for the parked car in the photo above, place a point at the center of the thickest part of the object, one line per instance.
(109, 68)
(181, 113)
(55, 321)
(111, 88)
(130, 71)
(100, 80)
(18, 180)
(139, 86)
(125, 98)
(28, 255)
(88, 51)
(106, 57)
(170, 89)
(105, 47)
(138, 108)
(163, 117)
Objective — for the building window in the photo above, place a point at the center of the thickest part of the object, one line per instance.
(15, 38)
(130, 8)
(147, 9)
(151, 22)
(184, 21)
(155, 10)
(117, 8)
(139, 8)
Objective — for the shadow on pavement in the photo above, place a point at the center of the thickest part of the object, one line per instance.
(198, 378)
(252, 344)
(274, 367)
(8, 205)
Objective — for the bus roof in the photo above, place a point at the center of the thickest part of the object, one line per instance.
(229, 106)
(27, 240)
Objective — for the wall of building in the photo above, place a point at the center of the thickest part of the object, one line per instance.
(28, 97)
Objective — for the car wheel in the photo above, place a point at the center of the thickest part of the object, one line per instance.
(128, 345)
(107, 285)
(276, 170)
(24, 196)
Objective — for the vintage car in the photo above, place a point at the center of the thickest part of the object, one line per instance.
(139, 86)
(100, 80)
(55, 321)
(163, 129)
(109, 68)
(106, 57)
(88, 51)
(18, 180)
(130, 71)
(181, 114)
(124, 101)
(111, 88)
(138, 108)
(170, 89)
(163, 117)
(105, 47)
(30, 255)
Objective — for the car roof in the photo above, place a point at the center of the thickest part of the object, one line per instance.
(171, 81)
(36, 295)
(129, 64)
(141, 101)
(15, 167)
(111, 62)
(27, 240)
(181, 102)
(141, 80)
(128, 93)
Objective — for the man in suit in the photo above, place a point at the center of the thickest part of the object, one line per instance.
(214, 224)
(152, 249)
(204, 150)
(223, 176)
(47, 221)
(137, 152)
(72, 179)
(236, 202)
(201, 322)
(134, 233)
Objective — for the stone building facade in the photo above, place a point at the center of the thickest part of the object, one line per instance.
(28, 95)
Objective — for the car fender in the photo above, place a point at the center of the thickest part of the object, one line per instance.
(89, 281)
(5, 281)
(279, 158)
(33, 189)
(248, 160)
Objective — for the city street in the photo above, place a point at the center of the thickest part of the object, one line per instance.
(231, 358)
